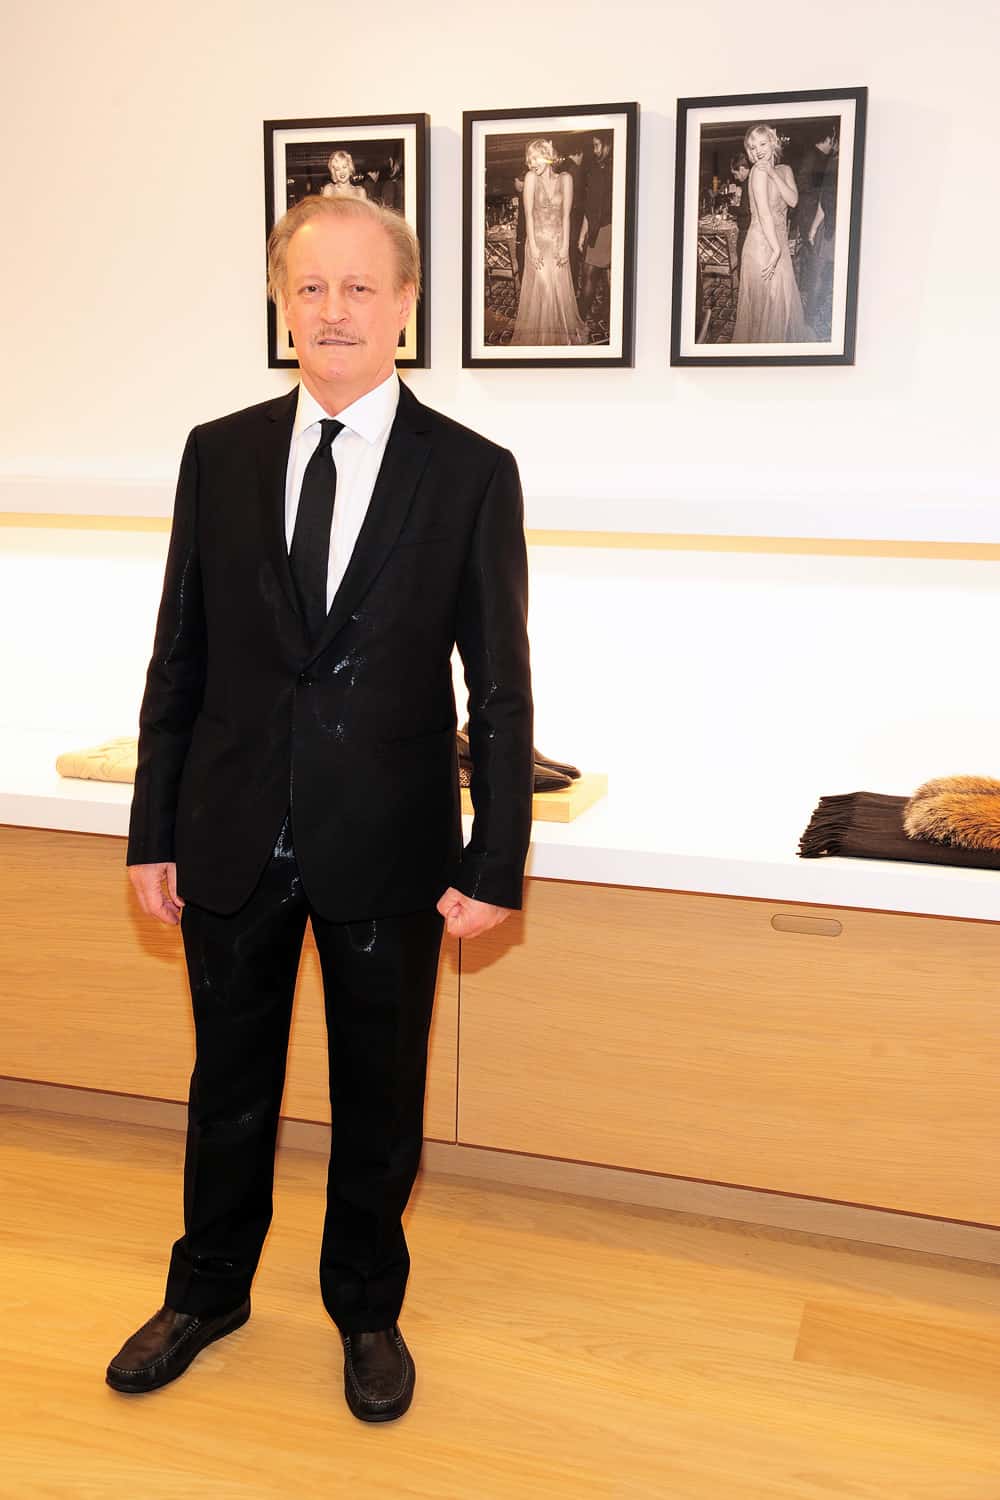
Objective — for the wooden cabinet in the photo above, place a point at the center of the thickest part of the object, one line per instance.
(94, 995)
(690, 1035)
(837, 1054)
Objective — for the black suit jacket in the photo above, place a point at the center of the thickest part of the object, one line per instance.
(809, 181)
(242, 717)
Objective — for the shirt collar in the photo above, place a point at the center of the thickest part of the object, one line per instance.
(370, 416)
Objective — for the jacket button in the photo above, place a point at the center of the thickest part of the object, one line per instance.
(304, 679)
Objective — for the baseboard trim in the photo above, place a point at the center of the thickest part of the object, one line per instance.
(810, 1216)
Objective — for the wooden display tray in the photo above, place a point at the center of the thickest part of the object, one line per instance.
(564, 806)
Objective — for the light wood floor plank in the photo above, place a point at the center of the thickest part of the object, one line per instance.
(566, 1350)
(910, 1350)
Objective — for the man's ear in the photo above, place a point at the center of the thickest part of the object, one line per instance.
(407, 298)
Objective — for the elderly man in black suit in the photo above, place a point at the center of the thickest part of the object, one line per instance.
(297, 762)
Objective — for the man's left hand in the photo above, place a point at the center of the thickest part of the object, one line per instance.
(465, 917)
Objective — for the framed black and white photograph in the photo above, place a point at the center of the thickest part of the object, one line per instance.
(380, 157)
(767, 228)
(549, 235)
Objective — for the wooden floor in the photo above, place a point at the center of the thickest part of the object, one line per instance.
(565, 1349)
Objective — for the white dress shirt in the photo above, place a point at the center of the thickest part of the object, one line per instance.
(357, 456)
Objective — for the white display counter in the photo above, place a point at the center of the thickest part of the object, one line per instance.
(662, 839)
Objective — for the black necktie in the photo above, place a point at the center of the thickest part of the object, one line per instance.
(309, 556)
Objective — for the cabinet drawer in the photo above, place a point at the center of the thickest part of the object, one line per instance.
(836, 1053)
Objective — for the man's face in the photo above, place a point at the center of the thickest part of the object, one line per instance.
(342, 305)
(741, 172)
(598, 148)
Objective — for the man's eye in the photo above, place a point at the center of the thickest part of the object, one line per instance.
(359, 286)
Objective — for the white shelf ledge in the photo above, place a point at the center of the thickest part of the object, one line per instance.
(621, 841)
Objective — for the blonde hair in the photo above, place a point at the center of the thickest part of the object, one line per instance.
(340, 156)
(772, 136)
(405, 246)
(539, 151)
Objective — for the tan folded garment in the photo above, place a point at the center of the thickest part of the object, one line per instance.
(112, 761)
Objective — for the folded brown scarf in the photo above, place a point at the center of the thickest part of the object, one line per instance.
(954, 820)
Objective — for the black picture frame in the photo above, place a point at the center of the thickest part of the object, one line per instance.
(721, 316)
(295, 163)
(494, 267)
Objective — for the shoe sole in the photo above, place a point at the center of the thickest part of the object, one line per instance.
(132, 1387)
(377, 1416)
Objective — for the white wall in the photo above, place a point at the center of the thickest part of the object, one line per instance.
(133, 184)
(730, 684)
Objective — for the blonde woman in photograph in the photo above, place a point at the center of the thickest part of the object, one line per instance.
(547, 311)
(341, 170)
(769, 309)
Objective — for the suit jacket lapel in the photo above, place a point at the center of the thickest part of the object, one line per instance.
(273, 443)
(402, 465)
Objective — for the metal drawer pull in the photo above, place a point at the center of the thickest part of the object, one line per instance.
(814, 926)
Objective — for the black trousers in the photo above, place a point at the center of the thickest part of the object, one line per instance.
(378, 980)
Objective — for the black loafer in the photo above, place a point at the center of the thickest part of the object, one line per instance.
(573, 773)
(543, 763)
(544, 779)
(546, 775)
(379, 1375)
(163, 1348)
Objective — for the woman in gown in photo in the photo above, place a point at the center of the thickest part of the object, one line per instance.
(547, 312)
(769, 309)
(341, 170)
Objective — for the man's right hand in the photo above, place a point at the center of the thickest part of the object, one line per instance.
(156, 888)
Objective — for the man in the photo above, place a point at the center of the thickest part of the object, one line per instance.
(392, 184)
(595, 232)
(520, 232)
(739, 198)
(814, 198)
(372, 184)
(573, 165)
(297, 760)
(827, 250)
